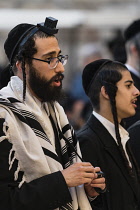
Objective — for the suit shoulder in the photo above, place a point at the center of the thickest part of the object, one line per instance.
(86, 134)
(134, 132)
(134, 127)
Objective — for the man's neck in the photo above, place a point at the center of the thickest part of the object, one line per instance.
(108, 115)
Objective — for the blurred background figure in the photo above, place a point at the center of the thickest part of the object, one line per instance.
(132, 38)
(132, 43)
(117, 46)
(87, 53)
(78, 107)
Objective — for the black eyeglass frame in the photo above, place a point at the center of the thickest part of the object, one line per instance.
(60, 57)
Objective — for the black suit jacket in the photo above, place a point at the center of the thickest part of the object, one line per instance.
(134, 132)
(100, 149)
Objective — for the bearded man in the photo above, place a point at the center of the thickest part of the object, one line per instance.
(40, 160)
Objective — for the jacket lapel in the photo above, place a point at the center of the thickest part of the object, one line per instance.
(110, 146)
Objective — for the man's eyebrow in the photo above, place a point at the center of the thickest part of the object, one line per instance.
(130, 81)
(51, 53)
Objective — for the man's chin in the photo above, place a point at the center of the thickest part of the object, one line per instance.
(54, 96)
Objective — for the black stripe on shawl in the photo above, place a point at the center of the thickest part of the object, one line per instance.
(13, 100)
(31, 121)
(66, 128)
(26, 117)
(67, 206)
(35, 125)
(72, 139)
(13, 109)
(50, 154)
(69, 150)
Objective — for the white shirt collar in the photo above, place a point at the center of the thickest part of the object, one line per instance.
(111, 128)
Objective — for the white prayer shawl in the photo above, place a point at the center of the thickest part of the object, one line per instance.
(28, 145)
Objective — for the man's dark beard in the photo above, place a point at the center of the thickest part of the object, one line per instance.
(43, 88)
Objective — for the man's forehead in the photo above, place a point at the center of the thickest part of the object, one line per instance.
(47, 45)
(126, 77)
(48, 39)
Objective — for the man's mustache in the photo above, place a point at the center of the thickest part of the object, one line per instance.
(59, 77)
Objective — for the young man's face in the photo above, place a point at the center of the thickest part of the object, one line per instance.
(126, 96)
(45, 83)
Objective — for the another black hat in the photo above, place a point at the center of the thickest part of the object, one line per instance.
(19, 35)
(132, 30)
(90, 71)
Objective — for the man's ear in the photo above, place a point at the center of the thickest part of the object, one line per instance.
(18, 65)
(19, 69)
(104, 93)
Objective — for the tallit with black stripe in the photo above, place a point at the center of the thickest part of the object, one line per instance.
(28, 134)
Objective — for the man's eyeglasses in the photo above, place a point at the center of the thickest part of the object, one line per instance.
(53, 62)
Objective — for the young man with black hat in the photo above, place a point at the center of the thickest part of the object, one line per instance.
(103, 141)
(132, 46)
(40, 166)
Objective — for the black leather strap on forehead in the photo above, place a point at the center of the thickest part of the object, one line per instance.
(30, 34)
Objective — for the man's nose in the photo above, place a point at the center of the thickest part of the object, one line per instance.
(59, 68)
(136, 92)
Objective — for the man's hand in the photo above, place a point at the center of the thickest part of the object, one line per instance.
(97, 182)
(79, 173)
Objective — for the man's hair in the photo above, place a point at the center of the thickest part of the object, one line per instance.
(108, 76)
